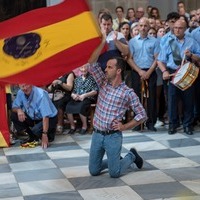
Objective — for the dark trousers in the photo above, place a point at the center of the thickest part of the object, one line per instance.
(187, 98)
(151, 100)
(197, 98)
(34, 128)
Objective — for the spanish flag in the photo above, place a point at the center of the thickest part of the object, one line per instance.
(4, 133)
(43, 44)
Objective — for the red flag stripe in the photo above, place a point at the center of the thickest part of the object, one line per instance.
(56, 64)
(42, 17)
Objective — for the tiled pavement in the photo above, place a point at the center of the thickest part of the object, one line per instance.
(171, 170)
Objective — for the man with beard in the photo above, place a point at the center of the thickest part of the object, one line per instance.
(114, 99)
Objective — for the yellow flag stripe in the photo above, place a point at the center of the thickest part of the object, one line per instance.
(3, 142)
(54, 39)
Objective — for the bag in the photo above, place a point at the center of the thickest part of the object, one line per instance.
(56, 95)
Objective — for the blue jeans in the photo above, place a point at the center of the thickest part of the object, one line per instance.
(111, 145)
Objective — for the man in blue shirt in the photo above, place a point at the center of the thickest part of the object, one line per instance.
(34, 113)
(168, 65)
(172, 17)
(144, 51)
(195, 34)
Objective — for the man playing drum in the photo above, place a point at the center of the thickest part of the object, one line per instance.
(168, 63)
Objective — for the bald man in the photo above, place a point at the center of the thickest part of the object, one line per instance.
(142, 59)
(169, 65)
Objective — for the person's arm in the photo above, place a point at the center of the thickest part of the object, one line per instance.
(45, 141)
(96, 53)
(138, 109)
(17, 106)
(129, 125)
(192, 56)
(68, 85)
(164, 70)
(152, 68)
(132, 63)
(20, 113)
(88, 94)
(123, 48)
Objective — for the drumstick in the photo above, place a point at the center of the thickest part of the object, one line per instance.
(172, 74)
(183, 60)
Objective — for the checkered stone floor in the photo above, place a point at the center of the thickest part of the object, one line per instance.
(171, 170)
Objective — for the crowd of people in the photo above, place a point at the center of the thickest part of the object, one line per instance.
(132, 82)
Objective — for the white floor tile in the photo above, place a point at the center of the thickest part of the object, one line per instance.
(112, 193)
(44, 187)
(170, 163)
(193, 185)
(73, 172)
(146, 177)
(67, 154)
(145, 146)
(7, 178)
(32, 165)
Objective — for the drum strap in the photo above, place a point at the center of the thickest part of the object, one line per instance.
(175, 52)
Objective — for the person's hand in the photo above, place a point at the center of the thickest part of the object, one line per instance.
(188, 53)
(166, 75)
(103, 32)
(21, 115)
(117, 125)
(142, 74)
(45, 141)
(75, 97)
(82, 97)
(114, 36)
(124, 57)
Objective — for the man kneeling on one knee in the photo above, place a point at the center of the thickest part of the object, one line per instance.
(34, 113)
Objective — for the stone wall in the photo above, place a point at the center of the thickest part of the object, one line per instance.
(112, 4)
(165, 6)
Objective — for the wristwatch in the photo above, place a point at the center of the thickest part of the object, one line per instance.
(44, 132)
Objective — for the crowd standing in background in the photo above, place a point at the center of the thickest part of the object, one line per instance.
(146, 43)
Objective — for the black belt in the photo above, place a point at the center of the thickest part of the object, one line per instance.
(108, 132)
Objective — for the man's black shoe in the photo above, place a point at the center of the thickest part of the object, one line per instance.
(188, 130)
(171, 131)
(83, 131)
(151, 128)
(138, 160)
(71, 131)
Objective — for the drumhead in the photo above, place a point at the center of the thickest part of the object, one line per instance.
(181, 72)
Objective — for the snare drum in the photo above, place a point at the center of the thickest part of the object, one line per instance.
(185, 76)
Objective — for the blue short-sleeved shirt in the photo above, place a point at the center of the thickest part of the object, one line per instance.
(165, 55)
(144, 50)
(165, 39)
(37, 105)
(196, 34)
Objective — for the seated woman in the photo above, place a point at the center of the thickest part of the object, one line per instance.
(83, 95)
(61, 94)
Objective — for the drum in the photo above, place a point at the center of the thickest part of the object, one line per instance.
(185, 76)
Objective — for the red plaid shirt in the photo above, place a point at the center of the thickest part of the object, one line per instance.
(113, 102)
